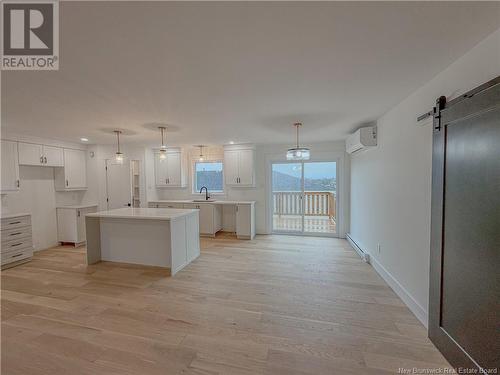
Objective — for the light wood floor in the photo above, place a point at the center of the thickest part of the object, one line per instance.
(274, 305)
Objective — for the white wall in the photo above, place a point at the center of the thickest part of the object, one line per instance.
(391, 185)
(38, 197)
(259, 193)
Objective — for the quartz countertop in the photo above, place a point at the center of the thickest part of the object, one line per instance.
(78, 206)
(200, 201)
(144, 213)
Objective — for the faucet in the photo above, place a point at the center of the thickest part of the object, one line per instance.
(206, 192)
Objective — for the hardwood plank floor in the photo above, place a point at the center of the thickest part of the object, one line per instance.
(273, 305)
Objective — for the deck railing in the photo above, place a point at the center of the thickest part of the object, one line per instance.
(316, 203)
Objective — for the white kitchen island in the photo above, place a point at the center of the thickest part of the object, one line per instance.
(164, 237)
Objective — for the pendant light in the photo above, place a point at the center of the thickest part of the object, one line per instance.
(163, 147)
(201, 157)
(118, 155)
(298, 152)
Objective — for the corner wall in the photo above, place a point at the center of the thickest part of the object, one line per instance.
(391, 185)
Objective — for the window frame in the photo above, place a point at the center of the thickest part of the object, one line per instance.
(194, 179)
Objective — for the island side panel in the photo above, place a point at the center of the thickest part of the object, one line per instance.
(93, 229)
(178, 244)
(137, 241)
(192, 237)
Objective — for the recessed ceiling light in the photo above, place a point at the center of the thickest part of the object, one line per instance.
(231, 142)
(84, 139)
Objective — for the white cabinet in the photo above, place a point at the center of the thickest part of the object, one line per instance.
(74, 174)
(10, 167)
(170, 171)
(239, 167)
(245, 221)
(165, 205)
(210, 217)
(71, 223)
(40, 155)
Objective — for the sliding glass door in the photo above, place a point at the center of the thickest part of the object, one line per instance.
(304, 197)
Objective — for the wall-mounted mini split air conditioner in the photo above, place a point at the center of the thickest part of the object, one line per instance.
(361, 140)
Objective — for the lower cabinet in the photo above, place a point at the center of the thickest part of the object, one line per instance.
(165, 205)
(245, 221)
(210, 217)
(71, 223)
(17, 245)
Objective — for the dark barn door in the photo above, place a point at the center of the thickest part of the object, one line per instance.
(464, 305)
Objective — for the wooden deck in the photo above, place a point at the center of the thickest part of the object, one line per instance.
(312, 224)
(274, 305)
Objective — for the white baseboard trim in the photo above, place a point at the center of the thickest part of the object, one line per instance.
(365, 256)
(420, 313)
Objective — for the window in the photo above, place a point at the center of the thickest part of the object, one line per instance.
(209, 174)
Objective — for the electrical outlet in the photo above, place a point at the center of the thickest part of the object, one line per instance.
(378, 248)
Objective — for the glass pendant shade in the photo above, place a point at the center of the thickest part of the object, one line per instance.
(163, 147)
(163, 153)
(298, 152)
(119, 157)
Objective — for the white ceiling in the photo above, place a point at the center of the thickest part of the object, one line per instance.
(237, 71)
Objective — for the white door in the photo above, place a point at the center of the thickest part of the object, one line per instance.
(10, 167)
(231, 167)
(75, 169)
(118, 184)
(30, 154)
(161, 172)
(174, 169)
(53, 156)
(245, 167)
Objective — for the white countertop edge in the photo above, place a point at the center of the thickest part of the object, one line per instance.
(165, 214)
(203, 202)
(78, 206)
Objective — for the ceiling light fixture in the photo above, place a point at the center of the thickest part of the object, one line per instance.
(84, 139)
(163, 147)
(231, 142)
(297, 152)
(118, 155)
(201, 157)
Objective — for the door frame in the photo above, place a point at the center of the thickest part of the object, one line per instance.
(445, 113)
(338, 160)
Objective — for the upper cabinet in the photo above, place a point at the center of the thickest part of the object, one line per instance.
(74, 174)
(40, 155)
(10, 167)
(239, 166)
(170, 171)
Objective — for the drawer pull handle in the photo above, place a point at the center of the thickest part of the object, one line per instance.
(15, 234)
(16, 244)
(14, 222)
(17, 255)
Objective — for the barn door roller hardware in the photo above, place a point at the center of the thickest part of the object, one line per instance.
(435, 113)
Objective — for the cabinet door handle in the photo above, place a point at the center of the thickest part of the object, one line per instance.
(41, 159)
(45, 159)
(15, 234)
(16, 244)
(17, 255)
(66, 182)
(14, 222)
(78, 214)
(17, 183)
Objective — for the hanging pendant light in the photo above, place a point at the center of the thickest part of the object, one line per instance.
(201, 157)
(163, 147)
(297, 152)
(118, 155)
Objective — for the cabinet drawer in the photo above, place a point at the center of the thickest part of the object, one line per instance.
(16, 222)
(15, 234)
(15, 255)
(22, 243)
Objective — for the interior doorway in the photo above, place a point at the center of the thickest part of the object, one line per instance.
(118, 184)
(304, 197)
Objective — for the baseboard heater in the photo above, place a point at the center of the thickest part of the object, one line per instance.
(359, 250)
